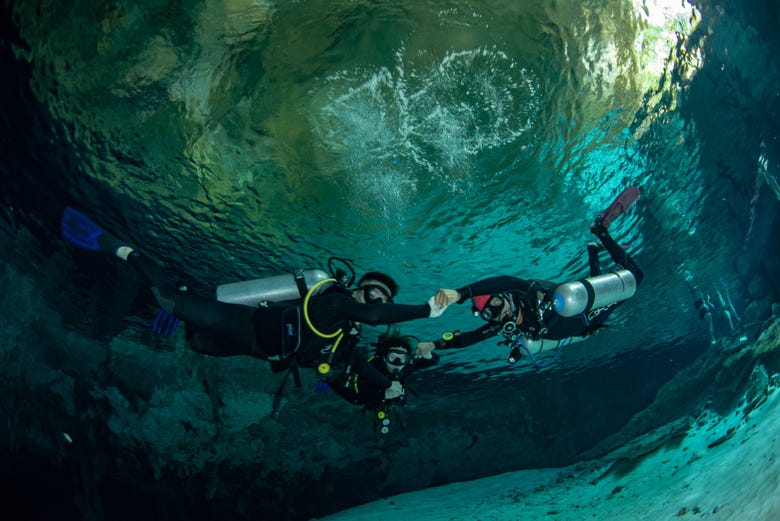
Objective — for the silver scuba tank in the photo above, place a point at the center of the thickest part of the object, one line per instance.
(583, 295)
(289, 286)
(545, 344)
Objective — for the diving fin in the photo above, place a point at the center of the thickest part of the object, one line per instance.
(79, 230)
(165, 323)
(621, 203)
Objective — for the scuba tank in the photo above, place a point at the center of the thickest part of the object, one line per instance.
(519, 343)
(534, 347)
(573, 298)
(290, 286)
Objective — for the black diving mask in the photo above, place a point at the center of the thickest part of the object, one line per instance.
(373, 293)
(493, 309)
(397, 358)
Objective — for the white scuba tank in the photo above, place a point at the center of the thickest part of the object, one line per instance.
(289, 286)
(573, 298)
(545, 344)
(531, 346)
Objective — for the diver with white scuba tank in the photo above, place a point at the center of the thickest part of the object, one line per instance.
(536, 315)
(304, 319)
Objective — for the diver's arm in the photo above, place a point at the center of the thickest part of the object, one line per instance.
(369, 372)
(370, 383)
(363, 384)
(374, 314)
(421, 362)
(469, 338)
(346, 390)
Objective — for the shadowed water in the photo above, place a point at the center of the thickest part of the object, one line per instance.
(440, 142)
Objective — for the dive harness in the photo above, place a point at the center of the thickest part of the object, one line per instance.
(324, 367)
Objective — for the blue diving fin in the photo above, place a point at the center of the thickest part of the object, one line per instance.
(322, 387)
(79, 230)
(165, 323)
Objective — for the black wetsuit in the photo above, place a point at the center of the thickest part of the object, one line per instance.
(538, 321)
(277, 331)
(365, 381)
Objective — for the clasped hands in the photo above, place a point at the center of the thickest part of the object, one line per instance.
(440, 301)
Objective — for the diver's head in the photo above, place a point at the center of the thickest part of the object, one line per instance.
(375, 288)
(395, 351)
(497, 309)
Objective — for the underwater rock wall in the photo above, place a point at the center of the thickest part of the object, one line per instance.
(198, 436)
(115, 424)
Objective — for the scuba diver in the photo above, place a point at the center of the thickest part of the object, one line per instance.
(304, 332)
(536, 315)
(380, 379)
(706, 308)
(377, 383)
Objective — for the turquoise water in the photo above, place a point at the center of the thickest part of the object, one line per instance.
(442, 142)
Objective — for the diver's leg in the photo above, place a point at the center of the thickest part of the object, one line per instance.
(617, 253)
(730, 303)
(233, 321)
(724, 308)
(704, 307)
(593, 258)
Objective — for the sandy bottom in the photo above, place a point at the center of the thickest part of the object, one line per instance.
(723, 468)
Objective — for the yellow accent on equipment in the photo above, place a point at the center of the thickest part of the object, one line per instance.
(324, 367)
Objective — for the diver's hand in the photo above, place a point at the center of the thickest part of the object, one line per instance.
(425, 350)
(436, 309)
(445, 297)
(394, 391)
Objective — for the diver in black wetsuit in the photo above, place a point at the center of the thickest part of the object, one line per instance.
(279, 331)
(527, 303)
(304, 331)
(379, 380)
